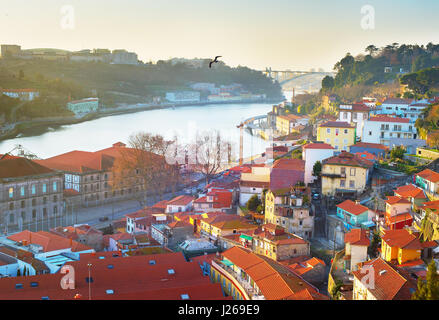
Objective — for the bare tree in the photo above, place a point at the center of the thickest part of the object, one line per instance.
(142, 167)
(209, 153)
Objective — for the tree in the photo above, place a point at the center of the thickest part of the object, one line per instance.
(372, 249)
(428, 289)
(209, 153)
(397, 152)
(142, 168)
(253, 203)
(327, 83)
(317, 169)
(371, 49)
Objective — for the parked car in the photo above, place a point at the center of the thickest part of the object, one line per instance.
(316, 196)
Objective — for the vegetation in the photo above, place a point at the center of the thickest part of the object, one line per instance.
(397, 153)
(372, 250)
(317, 169)
(253, 203)
(428, 289)
(422, 82)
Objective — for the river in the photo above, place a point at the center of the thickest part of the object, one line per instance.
(184, 121)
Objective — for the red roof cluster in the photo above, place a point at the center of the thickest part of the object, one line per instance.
(371, 145)
(318, 146)
(352, 207)
(410, 191)
(429, 175)
(348, 159)
(164, 276)
(387, 118)
(401, 238)
(182, 200)
(357, 237)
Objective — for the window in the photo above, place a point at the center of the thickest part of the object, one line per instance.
(342, 183)
(110, 266)
(370, 133)
(353, 171)
(44, 188)
(34, 214)
(55, 210)
(22, 191)
(171, 271)
(34, 284)
(152, 262)
(54, 185)
(109, 291)
(89, 279)
(11, 218)
(44, 200)
(343, 170)
(328, 130)
(33, 189)
(352, 184)
(44, 212)
(11, 206)
(55, 198)
(11, 192)
(19, 286)
(336, 132)
(23, 204)
(354, 116)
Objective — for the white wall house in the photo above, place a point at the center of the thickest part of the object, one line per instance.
(312, 153)
(354, 114)
(382, 128)
(406, 108)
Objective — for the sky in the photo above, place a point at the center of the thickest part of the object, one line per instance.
(281, 34)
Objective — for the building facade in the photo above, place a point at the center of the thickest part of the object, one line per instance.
(338, 134)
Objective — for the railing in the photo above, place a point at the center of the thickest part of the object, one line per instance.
(242, 283)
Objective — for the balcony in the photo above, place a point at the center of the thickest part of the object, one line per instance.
(242, 283)
(334, 175)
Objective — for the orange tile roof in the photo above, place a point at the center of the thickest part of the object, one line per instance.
(131, 277)
(386, 118)
(352, 207)
(410, 191)
(371, 145)
(389, 284)
(399, 218)
(182, 200)
(318, 146)
(429, 175)
(357, 237)
(49, 241)
(289, 164)
(337, 124)
(273, 283)
(21, 167)
(395, 199)
(348, 159)
(401, 238)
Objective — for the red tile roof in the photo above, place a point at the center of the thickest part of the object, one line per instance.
(348, 159)
(410, 191)
(336, 124)
(182, 200)
(357, 237)
(429, 175)
(17, 167)
(389, 284)
(395, 199)
(401, 238)
(386, 118)
(131, 278)
(275, 281)
(48, 241)
(370, 145)
(407, 217)
(352, 207)
(318, 146)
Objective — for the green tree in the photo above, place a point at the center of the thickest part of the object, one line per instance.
(428, 289)
(253, 203)
(397, 153)
(372, 249)
(317, 169)
(328, 83)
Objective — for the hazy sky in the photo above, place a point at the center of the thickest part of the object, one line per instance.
(283, 34)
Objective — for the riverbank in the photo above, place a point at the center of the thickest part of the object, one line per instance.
(42, 125)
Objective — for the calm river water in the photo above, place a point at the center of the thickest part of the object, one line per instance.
(183, 121)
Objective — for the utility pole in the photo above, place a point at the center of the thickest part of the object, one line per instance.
(89, 281)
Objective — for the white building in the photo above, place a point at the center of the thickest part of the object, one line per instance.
(22, 94)
(253, 183)
(180, 204)
(183, 96)
(312, 153)
(406, 108)
(380, 129)
(354, 114)
(124, 57)
(79, 107)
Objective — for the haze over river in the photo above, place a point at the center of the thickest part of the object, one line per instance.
(184, 121)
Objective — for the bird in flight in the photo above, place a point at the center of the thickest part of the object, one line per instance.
(214, 61)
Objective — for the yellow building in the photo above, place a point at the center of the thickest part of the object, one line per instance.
(345, 174)
(223, 224)
(285, 124)
(338, 134)
(401, 246)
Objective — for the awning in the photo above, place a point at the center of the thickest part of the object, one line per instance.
(246, 237)
(368, 224)
(227, 263)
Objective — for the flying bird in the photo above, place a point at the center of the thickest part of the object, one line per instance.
(214, 61)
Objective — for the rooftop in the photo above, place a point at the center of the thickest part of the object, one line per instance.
(352, 207)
